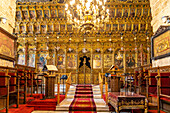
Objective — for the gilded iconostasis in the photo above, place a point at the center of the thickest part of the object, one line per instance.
(45, 36)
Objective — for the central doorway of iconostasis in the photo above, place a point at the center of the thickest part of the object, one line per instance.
(84, 68)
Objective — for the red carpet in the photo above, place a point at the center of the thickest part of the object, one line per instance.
(83, 100)
(35, 104)
(47, 104)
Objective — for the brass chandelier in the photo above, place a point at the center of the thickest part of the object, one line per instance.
(87, 14)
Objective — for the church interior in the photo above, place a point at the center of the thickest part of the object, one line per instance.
(85, 56)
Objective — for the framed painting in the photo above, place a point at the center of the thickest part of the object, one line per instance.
(107, 60)
(161, 44)
(128, 27)
(125, 13)
(31, 60)
(53, 13)
(96, 61)
(25, 14)
(61, 61)
(112, 13)
(32, 14)
(30, 28)
(18, 15)
(36, 28)
(62, 27)
(69, 27)
(108, 27)
(42, 60)
(56, 27)
(43, 28)
(61, 13)
(119, 13)
(21, 59)
(72, 61)
(115, 27)
(39, 14)
(46, 14)
(132, 12)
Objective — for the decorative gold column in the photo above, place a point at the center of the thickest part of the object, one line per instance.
(124, 61)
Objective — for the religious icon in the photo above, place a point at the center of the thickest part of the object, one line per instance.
(135, 27)
(145, 12)
(130, 61)
(31, 61)
(128, 27)
(132, 12)
(43, 28)
(61, 61)
(142, 27)
(53, 14)
(39, 14)
(37, 28)
(139, 11)
(122, 27)
(97, 61)
(29, 28)
(72, 61)
(115, 27)
(61, 13)
(50, 28)
(125, 13)
(62, 27)
(32, 14)
(21, 59)
(22, 29)
(119, 13)
(112, 13)
(108, 27)
(46, 14)
(69, 28)
(56, 27)
(25, 14)
(18, 15)
(118, 58)
(43, 60)
(107, 60)
(17, 29)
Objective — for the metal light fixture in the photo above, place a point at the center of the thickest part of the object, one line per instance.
(3, 20)
(166, 19)
(87, 14)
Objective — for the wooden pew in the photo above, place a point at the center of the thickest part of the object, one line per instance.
(28, 81)
(9, 86)
(159, 81)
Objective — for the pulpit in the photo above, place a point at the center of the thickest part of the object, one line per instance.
(50, 81)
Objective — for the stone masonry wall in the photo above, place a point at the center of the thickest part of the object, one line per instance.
(159, 8)
(7, 10)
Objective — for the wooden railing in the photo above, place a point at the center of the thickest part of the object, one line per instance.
(68, 83)
(101, 82)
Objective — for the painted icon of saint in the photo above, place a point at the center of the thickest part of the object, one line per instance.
(32, 14)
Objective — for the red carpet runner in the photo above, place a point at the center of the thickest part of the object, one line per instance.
(83, 100)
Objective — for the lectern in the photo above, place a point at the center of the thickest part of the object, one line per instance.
(115, 79)
(50, 81)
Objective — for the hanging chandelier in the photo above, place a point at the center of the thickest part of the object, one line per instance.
(87, 14)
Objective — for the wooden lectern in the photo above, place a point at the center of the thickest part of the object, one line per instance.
(50, 81)
(115, 79)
